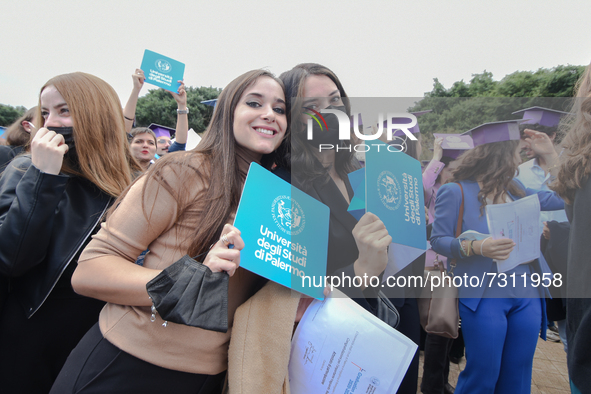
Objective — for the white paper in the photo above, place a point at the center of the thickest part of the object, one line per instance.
(519, 221)
(193, 139)
(339, 347)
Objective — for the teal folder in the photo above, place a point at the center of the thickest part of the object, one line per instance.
(162, 71)
(285, 232)
(392, 189)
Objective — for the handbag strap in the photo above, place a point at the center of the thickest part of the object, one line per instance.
(452, 263)
(461, 214)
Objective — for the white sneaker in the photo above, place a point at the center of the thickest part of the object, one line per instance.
(552, 336)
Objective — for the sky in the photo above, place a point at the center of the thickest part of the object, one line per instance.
(377, 48)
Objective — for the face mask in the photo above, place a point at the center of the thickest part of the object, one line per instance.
(326, 135)
(68, 134)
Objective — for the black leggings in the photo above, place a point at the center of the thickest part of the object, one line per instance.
(97, 366)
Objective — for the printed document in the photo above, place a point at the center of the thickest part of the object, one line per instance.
(519, 221)
(339, 347)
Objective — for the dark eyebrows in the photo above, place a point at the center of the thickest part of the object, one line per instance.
(258, 95)
(312, 99)
(255, 94)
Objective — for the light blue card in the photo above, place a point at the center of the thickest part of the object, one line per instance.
(394, 192)
(394, 187)
(285, 232)
(162, 71)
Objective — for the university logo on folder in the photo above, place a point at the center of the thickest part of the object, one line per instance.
(285, 231)
(391, 187)
(162, 71)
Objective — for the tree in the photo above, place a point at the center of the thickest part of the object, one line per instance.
(561, 82)
(9, 114)
(158, 106)
(466, 105)
(482, 85)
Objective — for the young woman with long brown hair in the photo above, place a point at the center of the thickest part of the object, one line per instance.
(323, 175)
(354, 248)
(183, 205)
(51, 202)
(574, 185)
(500, 323)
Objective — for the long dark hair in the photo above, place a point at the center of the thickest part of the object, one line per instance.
(494, 166)
(214, 162)
(301, 155)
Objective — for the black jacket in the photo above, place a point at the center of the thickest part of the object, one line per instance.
(45, 221)
(7, 153)
(578, 291)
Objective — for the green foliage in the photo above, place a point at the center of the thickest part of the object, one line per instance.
(9, 114)
(554, 82)
(158, 106)
(466, 105)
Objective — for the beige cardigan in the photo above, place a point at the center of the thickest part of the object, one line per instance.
(261, 342)
(129, 231)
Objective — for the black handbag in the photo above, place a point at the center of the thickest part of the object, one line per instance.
(188, 292)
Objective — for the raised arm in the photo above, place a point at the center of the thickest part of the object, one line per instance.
(542, 145)
(433, 169)
(138, 78)
(182, 120)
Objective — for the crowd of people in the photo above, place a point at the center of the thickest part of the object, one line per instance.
(99, 219)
